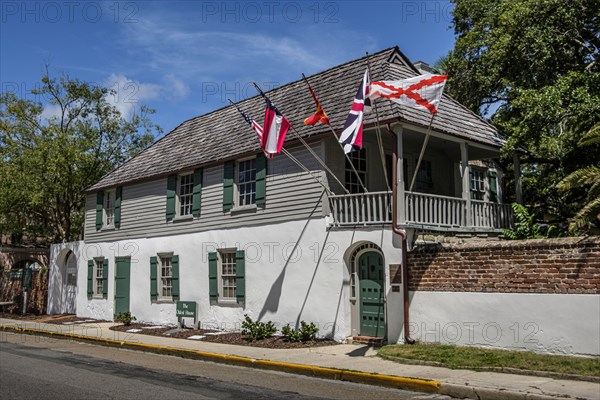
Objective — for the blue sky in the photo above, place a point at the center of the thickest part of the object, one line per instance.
(186, 58)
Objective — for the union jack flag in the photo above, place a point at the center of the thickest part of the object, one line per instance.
(351, 137)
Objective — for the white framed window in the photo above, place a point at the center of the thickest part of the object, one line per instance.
(245, 179)
(185, 193)
(227, 275)
(98, 277)
(109, 208)
(165, 276)
(477, 183)
(359, 160)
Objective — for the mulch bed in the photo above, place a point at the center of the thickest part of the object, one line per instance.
(48, 319)
(273, 342)
(26, 317)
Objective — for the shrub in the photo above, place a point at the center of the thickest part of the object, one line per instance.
(255, 330)
(125, 318)
(304, 333)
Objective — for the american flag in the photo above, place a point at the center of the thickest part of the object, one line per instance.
(351, 137)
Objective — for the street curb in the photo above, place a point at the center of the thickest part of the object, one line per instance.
(368, 378)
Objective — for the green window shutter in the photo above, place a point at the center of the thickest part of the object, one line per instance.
(213, 284)
(493, 184)
(240, 276)
(197, 196)
(471, 184)
(175, 278)
(171, 190)
(105, 279)
(228, 173)
(153, 281)
(261, 180)
(90, 286)
(99, 210)
(118, 195)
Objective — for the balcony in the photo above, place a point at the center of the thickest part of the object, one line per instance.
(425, 211)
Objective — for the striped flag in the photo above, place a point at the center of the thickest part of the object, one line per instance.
(351, 137)
(275, 128)
(255, 127)
(423, 91)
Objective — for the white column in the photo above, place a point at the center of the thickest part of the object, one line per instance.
(517, 171)
(400, 176)
(466, 184)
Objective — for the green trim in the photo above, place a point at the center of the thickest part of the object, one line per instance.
(261, 180)
(105, 279)
(153, 280)
(171, 191)
(90, 279)
(175, 278)
(213, 286)
(240, 276)
(99, 210)
(228, 177)
(197, 195)
(118, 196)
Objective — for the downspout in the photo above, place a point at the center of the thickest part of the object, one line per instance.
(402, 233)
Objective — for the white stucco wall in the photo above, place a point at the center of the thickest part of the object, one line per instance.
(552, 323)
(57, 275)
(294, 271)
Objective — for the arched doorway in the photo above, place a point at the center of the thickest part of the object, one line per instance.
(70, 284)
(367, 290)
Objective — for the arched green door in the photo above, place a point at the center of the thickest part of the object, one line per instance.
(372, 312)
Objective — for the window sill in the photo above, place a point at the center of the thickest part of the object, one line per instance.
(250, 208)
(182, 218)
(98, 297)
(165, 301)
(228, 303)
(107, 228)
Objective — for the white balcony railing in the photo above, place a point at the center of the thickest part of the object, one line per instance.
(421, 209)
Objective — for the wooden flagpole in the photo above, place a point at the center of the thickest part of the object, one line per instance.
(310, 150)
(342, 147)
(412, 183)
(379, 140)
(297, 162)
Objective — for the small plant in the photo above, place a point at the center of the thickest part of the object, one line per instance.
(255, 330)
(527, 228)
(125, 318)
(305, 333)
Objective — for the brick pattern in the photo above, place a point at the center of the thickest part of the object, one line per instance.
(568, 265)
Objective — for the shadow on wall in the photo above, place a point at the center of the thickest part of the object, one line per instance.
(272, 300)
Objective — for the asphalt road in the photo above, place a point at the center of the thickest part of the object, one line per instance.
(33, 367)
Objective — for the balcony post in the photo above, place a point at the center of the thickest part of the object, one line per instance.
(517, 172)
(464, 171)
(401, 199)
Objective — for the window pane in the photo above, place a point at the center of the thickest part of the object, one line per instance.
(186, 192)
(359, 161)
(246, 182)
(166, 277)
(228, 272)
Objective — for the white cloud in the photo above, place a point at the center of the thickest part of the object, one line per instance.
(50, 111)
(128, 93)
(174, 88)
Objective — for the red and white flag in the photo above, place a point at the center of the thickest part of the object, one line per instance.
(351, 137)
(255, 126)
(421, 91)
(275, 127)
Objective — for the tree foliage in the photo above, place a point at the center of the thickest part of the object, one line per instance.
(47, 161)
(534, 68)
(586, 177)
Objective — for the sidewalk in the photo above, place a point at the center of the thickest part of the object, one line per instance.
(350, 362)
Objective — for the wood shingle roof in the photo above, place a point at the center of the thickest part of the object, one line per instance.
(223, 134)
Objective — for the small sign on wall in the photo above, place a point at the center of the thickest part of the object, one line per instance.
(186, 309)
(395, 274)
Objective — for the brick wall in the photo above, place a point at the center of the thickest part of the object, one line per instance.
(566, 265)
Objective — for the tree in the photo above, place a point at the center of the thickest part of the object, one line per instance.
(586, 177)
(47, 162)
(533, 67)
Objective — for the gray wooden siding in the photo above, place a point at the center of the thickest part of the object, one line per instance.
(292, 194)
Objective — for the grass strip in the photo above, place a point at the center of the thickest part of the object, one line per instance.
(464, 357)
